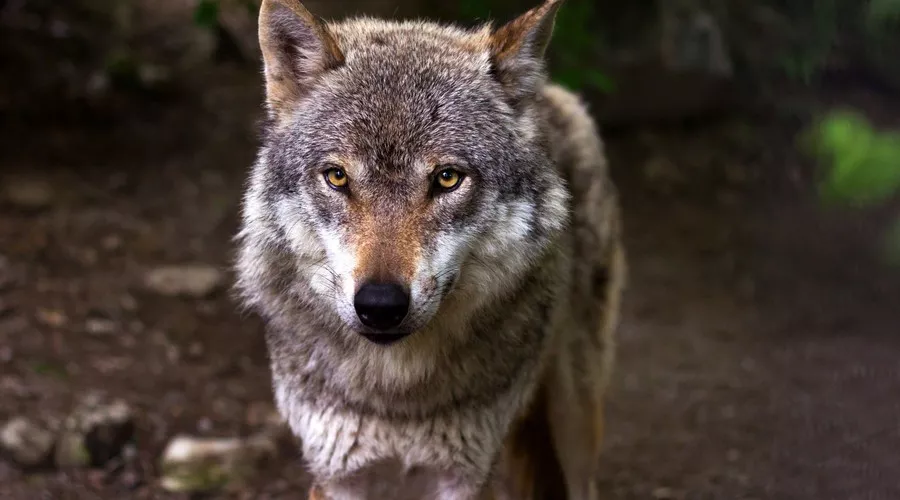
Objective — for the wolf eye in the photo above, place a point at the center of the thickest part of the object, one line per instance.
(336, 178)
(448, 179)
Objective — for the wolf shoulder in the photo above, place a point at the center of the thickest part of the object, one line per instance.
(574, 139)
(577, 149)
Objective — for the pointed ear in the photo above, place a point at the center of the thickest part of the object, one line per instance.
(517, 49)
(297, 48)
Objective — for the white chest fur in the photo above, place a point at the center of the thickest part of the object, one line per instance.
(360, 456)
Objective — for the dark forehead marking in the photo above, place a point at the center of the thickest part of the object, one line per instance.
(395, 114)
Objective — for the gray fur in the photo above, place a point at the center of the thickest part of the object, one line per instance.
(512, 275)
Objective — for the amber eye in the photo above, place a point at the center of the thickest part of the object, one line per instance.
(336, 178)
(448, 179)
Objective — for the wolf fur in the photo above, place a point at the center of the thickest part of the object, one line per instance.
(514, 277)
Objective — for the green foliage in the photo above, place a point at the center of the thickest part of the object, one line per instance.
(206, 13)
(862, 166)
(883, 12)
(875, 19)
(572, 52)
(804, 62)
(574, 46)
(50, 369)
(475, 9)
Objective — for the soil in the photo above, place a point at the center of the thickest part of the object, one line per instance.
(757, 354)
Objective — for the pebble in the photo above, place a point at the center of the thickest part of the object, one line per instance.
(95, 432)
(663, 494)
(195, 349)
(26, 442)
(128, 303)
(192, 464)
(28, 193)
(100, 326)
(197, 281)
(52, 317)
(111, 243)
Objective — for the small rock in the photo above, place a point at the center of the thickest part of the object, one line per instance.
(196, 281)
(191, 464)
(153, 75)
(97, 84)
(87, 256)
(195, 350)
(28, 193)
(128, 303)
(95, 432)
(52, 317)
(27, 443)
(100, 326)
(205, 425)
(111, 243)
(663, 494)
(13, 386)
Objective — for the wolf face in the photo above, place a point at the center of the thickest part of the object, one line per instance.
(402, 172)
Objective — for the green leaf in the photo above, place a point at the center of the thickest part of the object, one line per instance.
(206, 13)
(570, 78)
(600, 81)
(881, 12)
(576, 78)
(50, 369)
(863, 166)
(474, 9)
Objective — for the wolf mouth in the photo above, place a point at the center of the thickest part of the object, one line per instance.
(386, 338)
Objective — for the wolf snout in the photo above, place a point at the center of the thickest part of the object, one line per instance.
(381, 306)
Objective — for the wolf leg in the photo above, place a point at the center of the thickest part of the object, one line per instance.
(528, 468)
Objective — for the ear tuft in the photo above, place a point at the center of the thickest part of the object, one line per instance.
(297, 48)
(518, 49)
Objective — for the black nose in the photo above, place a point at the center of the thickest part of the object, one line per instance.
(381, 306)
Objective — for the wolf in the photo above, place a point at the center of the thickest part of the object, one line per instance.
(432, 238)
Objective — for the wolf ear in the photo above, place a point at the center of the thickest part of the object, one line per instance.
(297, 48)
(517, 49)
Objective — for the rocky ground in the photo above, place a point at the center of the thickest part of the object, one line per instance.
(757, 353)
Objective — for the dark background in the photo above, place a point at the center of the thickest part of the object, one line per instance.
(760, 340)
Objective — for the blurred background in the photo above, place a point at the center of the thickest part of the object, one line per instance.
(756, 147)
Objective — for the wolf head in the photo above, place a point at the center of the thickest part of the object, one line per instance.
(404, 178)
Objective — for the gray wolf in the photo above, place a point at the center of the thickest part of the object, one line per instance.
(432, 238)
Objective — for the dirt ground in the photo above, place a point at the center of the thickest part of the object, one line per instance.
(757, 356)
